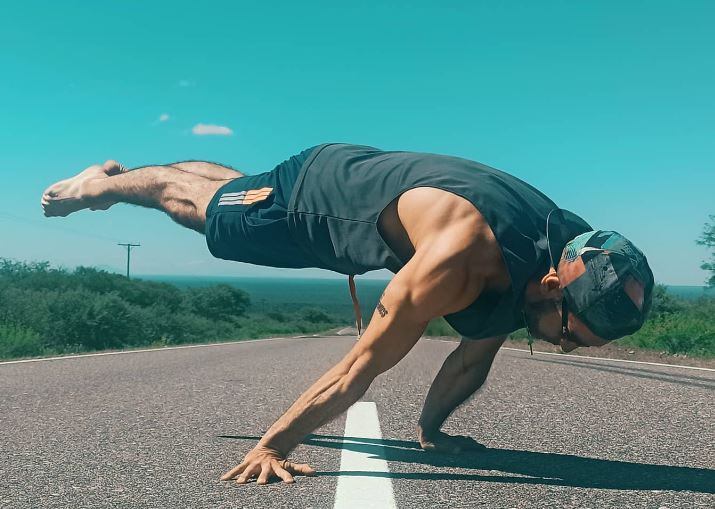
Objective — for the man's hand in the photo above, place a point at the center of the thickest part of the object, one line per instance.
(266, 464)
(448, 444)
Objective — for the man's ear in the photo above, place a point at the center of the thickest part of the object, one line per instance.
(550, 286)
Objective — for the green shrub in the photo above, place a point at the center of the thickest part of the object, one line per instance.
(219, 302)
(688, 330)
(277, 316)
(19, 341)
(94, 321)
(312, 315)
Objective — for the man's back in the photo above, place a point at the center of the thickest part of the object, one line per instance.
(341, 216)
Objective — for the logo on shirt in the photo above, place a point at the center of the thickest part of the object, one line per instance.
(245, 197)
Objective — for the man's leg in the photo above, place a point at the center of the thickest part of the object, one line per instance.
(211, 171)
(184, 196)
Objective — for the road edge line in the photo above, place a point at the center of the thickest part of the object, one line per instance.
(584, 357)
(157, 349)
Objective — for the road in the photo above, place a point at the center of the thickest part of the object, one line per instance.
(158, 428)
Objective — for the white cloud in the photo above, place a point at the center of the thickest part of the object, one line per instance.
(164, 117)
(210, 129)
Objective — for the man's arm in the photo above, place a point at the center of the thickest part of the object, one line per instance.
(437, 280)
(462, 374)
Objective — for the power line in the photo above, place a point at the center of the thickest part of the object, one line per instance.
(129, 247)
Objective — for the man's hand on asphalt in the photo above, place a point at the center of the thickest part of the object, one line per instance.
(444, 443)
(266, 464)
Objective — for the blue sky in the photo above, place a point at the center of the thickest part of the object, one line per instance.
(607, 107)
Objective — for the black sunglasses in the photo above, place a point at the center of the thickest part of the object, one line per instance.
(565, 333)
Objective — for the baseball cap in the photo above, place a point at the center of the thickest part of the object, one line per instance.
(606, 280)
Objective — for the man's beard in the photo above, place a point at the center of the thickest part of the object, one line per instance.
(533, 312)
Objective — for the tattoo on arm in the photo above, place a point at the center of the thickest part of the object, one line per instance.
(381, 308)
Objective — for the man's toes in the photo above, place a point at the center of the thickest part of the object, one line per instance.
(112, 167)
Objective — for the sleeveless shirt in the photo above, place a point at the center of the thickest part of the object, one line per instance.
(342, 189)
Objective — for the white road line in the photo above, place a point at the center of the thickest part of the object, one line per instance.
(356, 491)
(158, 349)
(584, 357)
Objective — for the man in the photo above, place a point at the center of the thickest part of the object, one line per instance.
(473, 244)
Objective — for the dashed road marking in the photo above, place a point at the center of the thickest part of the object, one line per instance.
(367, 490)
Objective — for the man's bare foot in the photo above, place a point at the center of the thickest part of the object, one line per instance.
(73, 194)
(111, 168)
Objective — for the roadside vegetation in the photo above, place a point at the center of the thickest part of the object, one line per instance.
(49, 311)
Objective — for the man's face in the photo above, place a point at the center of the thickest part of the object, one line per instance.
(544, 320)
(542, 309)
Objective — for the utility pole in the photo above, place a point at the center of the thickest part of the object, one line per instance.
(129, 247)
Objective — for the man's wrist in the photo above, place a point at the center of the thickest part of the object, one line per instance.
(426, 433)
(274, 443)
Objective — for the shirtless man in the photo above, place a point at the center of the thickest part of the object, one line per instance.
(467, 242)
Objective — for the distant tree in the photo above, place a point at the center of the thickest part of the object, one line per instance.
(315, 316)
(708, 239)
(219, 302)
(664, 303)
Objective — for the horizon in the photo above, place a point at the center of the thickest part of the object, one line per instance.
(375, 276)
(606, 108)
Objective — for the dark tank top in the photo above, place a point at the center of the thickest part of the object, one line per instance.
(342, 189)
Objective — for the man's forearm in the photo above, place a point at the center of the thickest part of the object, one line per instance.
(327, 398)
(462, 374)
(392, 332)
(452, 387)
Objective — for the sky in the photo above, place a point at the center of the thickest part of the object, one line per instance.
(607, 107)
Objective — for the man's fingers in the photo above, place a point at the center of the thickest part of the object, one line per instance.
(282, 473)
(442, 447)
(112, 168)
(265, 474)
(233, 472)
(247, 474)
(299, 468)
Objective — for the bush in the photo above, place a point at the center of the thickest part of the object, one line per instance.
(688, 330)
(220, 302)
(277, 316)
(19, 341)
(312, 315)
(94, 321)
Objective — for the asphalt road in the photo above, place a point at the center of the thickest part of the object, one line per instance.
(157, 429)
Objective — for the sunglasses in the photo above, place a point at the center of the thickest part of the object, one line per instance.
(565, 333)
